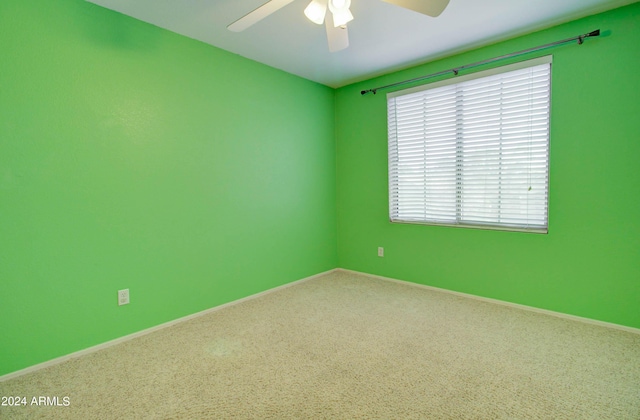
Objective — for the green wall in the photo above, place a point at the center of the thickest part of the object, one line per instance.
(131, 157)
(589, 262)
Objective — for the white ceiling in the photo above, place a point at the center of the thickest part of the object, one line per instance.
(383, 37)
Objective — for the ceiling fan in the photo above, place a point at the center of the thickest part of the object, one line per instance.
(336, 25)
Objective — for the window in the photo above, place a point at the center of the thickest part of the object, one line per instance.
(473, 151)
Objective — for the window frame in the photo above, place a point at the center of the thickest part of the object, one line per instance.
(462, 79)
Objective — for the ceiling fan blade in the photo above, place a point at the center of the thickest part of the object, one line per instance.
(426, 7)
(257, 15)
(338, 37)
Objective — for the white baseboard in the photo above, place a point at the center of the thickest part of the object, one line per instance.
(125, 338)
(116, 341)
(504, 303)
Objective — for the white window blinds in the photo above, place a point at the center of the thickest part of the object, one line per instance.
(473, 151)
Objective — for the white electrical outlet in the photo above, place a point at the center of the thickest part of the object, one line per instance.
(380, 251)
(123, 297)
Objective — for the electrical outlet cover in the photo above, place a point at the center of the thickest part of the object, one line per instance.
(123, 297)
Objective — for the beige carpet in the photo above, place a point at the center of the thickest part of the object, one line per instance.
(351, 347)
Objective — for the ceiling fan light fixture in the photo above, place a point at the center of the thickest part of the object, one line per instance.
(316, 11)
(342, 18)
(339, 5)
(341, 13)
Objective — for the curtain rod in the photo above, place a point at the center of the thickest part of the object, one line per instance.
(456, 70)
